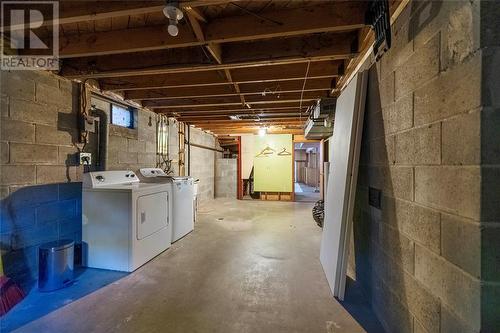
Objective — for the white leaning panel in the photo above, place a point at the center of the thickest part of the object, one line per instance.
(339, 201)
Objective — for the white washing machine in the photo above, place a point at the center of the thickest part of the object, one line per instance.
(182, 197)
(125, 222)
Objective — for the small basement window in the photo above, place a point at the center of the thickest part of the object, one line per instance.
(122, 116)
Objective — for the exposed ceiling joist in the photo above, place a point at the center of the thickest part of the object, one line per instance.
(277, 73)
(88, 11)
(229, 77)
(332, 17)
(137, 96)
(248, 55)
(226, 116)
(153, 105)
(234, 100)
(273, 88)
(196, 19)
(286, 107)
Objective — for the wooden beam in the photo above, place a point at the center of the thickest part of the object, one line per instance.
(330, 17)
(262, 115)
(219, 104)
(226, 116)
(275, 74)
(236, 86)
(272, 88)
(366, 41)
(105, 43)
(230, 122)
(228, 110)
(231, 108)
(247, 55)
(194, 17)
(195, 13)
(146, 95)
(198, 68)
(195, 24)
(250, 100)
(88, 11)
(216, 51)
(255, 130)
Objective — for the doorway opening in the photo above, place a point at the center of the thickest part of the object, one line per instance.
(307, 164)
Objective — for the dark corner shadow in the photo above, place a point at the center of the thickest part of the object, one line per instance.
(376, 251)
(356, 303)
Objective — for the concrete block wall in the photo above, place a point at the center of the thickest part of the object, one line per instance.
(39, 177)
(203, 163)
(131, 149)
(490, 166)
(428, 259)
(226, 177)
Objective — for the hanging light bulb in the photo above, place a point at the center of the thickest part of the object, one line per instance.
(262, 131)
(174, 14)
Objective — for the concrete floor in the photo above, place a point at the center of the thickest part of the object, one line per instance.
(306, 193)
(249, 266)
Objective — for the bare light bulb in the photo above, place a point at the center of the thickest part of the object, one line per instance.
(174, 14)
(262, 131)
(172, 29)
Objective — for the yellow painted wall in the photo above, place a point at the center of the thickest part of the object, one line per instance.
(273, 172)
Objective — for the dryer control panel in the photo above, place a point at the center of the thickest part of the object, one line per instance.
(106, 178)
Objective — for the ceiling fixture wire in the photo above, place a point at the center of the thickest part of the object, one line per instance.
(303, 87)
(255, 14)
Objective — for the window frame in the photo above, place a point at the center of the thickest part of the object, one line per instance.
(130, 109)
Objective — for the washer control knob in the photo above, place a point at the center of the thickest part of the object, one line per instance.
(99, 178)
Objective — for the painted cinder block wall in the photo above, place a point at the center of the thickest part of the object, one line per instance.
(428, 259)
(226, 177)
(40, 180)
(203, 163)
(39, 177)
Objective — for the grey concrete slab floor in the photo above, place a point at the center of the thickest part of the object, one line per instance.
(249, 266)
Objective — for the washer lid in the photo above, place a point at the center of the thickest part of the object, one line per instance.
(152, 172)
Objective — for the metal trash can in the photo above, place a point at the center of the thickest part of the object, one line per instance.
(55, 265)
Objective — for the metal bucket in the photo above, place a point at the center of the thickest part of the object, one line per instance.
(55, 265)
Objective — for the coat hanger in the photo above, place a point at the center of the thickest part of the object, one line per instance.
(265, 152)
(284, 152)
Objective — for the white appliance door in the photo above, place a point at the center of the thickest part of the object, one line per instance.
(152, 214)
(183, 208)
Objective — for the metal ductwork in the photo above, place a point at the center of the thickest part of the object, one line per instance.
(320, 122)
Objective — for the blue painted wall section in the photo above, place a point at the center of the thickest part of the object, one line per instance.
(34, 215)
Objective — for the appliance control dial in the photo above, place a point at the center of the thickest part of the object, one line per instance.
(99, 178)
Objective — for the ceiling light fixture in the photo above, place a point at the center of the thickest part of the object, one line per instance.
(174, 14)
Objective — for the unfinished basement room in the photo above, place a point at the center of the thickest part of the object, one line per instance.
(257, 166)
